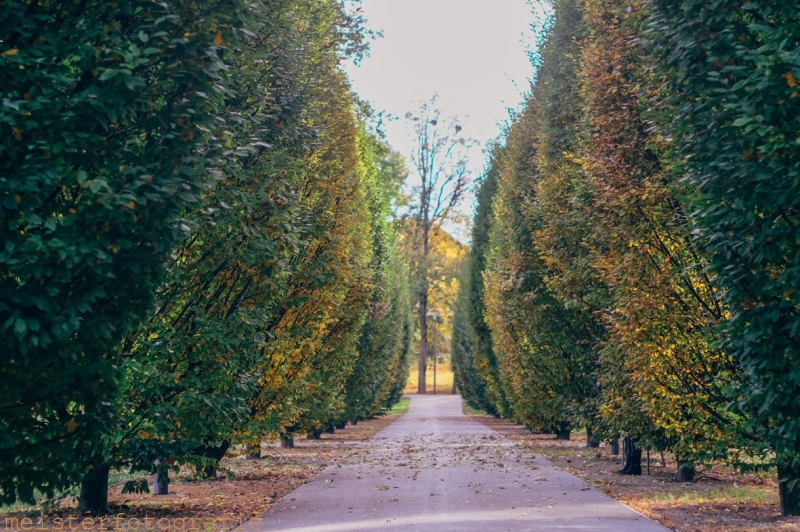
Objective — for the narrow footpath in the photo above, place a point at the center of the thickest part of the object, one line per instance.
(437, 470)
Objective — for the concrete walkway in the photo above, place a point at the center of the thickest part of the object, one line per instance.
(436, 470)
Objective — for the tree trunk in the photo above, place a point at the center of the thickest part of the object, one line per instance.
(161, 478)
(330, 430)
(422, 386)
(591, 441)
(287, 440)
(254, 452)
(563, 431)
(635, 461)
(789, 495)
(686, 471)
(341, 426)
(216, 453)
(624, 453)
(633, 458)
(314, 435)
(94, 490)
(354, 422)
(615, 447)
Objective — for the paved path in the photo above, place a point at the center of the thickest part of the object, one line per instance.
(434, 469)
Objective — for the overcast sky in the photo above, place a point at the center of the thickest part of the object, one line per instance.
(473, 53)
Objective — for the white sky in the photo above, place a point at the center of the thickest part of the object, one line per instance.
(471, 52)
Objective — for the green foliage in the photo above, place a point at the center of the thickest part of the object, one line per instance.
(384, 342)
(401, 407)
(540, 301)
(663, 378)
(202, 236)
(462, 347)
(731, 71)
(603, 307)
(482, 390)
(256, 330)
(136, 486)
(111, 114)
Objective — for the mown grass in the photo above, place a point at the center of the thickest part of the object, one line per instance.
(717, 495)
(444, 378)
(469, 410)
(401, 407)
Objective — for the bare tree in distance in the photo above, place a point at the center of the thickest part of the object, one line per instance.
(440, 161)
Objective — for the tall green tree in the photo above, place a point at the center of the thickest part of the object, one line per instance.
(462, 347)
(489, 392)
(384, 344)
(664, 306)
(732, 71)
(259, 307)
(111, 111)
(541, 299)
(256, 330)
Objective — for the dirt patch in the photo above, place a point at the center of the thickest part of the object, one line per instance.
(719, 500)
(242, 489)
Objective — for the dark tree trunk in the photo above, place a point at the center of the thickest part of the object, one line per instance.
(341, 426)
(215, 453)
(563, 434)
(254, 452)
(789, 495)
(422, 383)
(636, 462)
(624, 453)
(686, 471)
(615, 447)
(591, 441)
(161, 479)
(287, 440)
(563, 431)
(94, 490)
(354, 422)
(330, 430)
(314, 435)
(633, 458)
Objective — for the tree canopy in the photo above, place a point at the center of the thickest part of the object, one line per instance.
(638, 278)
(198, 242)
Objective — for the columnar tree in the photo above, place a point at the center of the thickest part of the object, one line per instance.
(541, 300)
(111, 113)
(732, 71)
(665, 306)
(194, 366)
(384, 343)
(487, 391)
